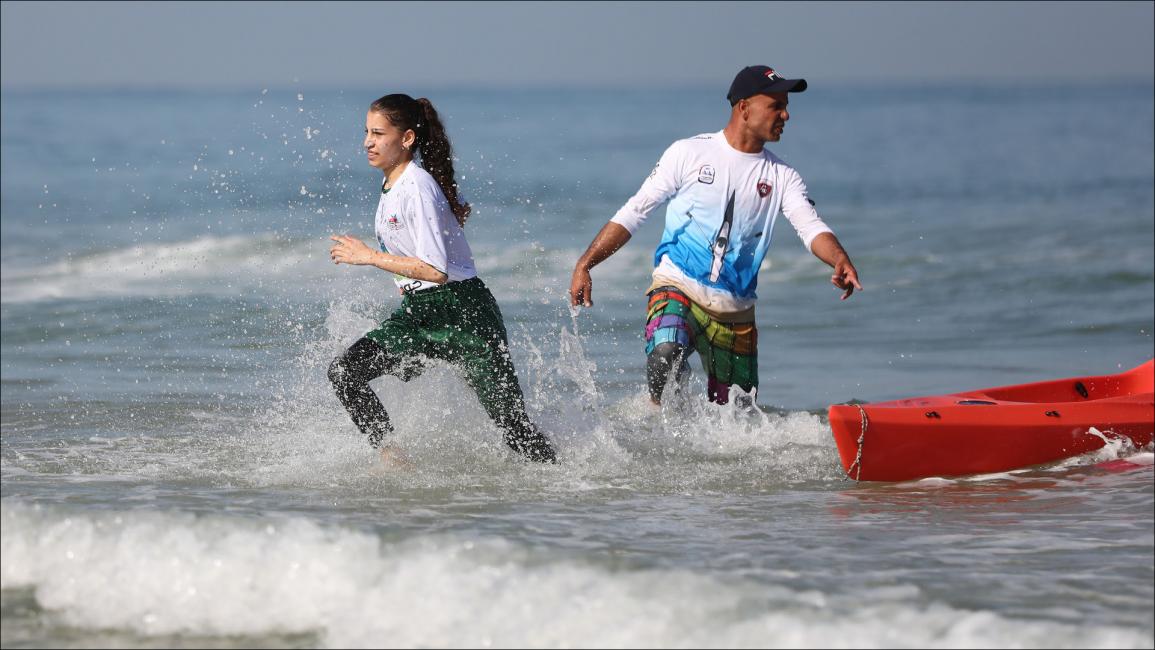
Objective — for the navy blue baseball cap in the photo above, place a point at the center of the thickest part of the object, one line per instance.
(761, 79)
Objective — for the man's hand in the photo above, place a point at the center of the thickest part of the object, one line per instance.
(827, 248)
(845, 277)
(608, 240)
(581, 287)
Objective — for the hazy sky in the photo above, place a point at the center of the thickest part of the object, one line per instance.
(280, 44)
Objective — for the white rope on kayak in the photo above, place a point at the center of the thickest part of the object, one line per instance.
(861, 438)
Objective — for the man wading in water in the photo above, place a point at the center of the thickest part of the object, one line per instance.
(725, 191)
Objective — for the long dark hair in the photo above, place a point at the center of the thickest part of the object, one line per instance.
(407, 113)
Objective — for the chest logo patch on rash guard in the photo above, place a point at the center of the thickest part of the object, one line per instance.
(706, 174)
(394, 223)
(764, 188)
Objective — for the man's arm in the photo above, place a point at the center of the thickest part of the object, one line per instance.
(611, 237)
(662, 183)
(827, 248)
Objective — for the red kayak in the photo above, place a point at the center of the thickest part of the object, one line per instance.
(995, 429)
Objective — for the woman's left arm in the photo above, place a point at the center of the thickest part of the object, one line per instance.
(350, 250)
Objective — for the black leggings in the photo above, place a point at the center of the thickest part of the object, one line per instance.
(365, 360)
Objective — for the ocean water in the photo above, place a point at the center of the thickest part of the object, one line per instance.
(177, 473)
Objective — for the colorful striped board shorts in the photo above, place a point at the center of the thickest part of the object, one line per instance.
(729, 350)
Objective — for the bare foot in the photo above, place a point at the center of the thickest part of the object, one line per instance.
(392, 458)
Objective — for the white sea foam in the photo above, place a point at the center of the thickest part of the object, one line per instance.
(1143, 458)
(935, 481)
(1115, 447)
(165, 573)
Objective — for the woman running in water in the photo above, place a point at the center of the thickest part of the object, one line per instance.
(446, 311)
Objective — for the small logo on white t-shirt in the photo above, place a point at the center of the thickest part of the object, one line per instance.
(394, 223)
(706, 174)
(764, 188)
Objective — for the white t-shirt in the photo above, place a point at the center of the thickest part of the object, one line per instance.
(711, 256)
(414, 220)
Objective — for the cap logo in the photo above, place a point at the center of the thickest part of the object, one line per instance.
(773, 76)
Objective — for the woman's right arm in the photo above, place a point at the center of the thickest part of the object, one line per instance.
(350, 250)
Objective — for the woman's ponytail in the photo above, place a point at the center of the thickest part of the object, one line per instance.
(437, 158)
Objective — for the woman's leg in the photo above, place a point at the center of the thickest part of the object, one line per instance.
(350, 374)
(481, 349)
(494, 380)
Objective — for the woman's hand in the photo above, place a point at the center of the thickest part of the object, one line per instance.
(350, 250)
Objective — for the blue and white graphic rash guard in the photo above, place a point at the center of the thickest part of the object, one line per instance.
(722, 207)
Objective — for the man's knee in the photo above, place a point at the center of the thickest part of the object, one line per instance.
(665, 359)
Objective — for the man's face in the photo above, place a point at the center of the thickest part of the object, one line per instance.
(765, 115)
